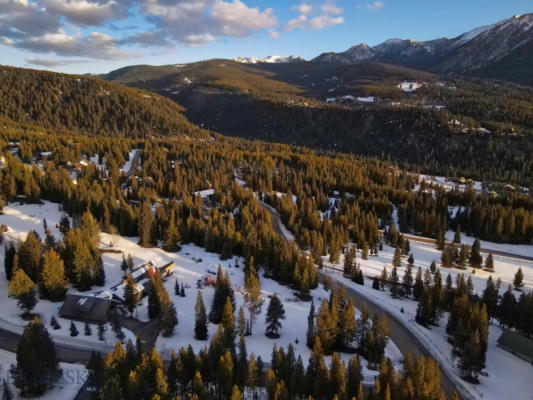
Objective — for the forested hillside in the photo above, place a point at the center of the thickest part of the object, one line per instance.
(90, 105)
(286, 103)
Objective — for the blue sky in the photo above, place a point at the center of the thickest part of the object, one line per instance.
(80, 36)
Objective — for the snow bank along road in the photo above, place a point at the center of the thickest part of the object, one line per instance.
(422, 239)
(406, 341)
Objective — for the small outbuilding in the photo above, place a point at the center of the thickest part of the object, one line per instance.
(516, 344)
(85, 308)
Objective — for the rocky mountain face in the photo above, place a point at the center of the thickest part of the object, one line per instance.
(469, 52)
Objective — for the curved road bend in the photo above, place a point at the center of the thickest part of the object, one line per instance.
(147, 332)
(399, 334)
(406, 341)
(9, 341)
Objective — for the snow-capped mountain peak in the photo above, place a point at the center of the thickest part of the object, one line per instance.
(275, 59)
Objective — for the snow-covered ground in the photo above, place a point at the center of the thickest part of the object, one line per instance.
(127, 165)
(424, 254)
(518, 249)
(20, 219)
(509, 378)
(66, 387)
(191, 264)
(449, 185)
(294, 328)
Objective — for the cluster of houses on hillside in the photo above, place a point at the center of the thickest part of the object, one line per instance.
(96, 308)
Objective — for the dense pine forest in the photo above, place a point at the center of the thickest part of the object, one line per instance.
(84, 104)
(286, 103)
(332, 203)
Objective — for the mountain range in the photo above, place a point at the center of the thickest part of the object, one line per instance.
(501, 50)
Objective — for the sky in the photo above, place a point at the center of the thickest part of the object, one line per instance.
(97, 36)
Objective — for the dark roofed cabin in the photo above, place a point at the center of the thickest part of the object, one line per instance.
(85, 308)
(518, 345)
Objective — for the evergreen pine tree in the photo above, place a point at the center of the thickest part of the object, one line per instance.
(101, 332)
(275, 313)
(446, 257)
(489, 263)
(407, 280)
(37, 362)
(95, 368)
(337, 374)
(9, 256)
(7, 394)
(392, 235)
(349, 261)
(131, 296)
(73, 330)
(146, 225)
(241, 322)
(223, 291)
(347, 323)
(518, 281)
(172, 236)
(242, 362)
(327, 325)
(30, 254)
(87, 329)
(252, 295)
(375, 283)
(354, 377)
(53, 277)
(419, 285)
(364, 250)
(22, 288)
(111, 390)
(394, 279)
(236, 393)
(176, 287)
(384, 278)
(228, 326)
(124, 264)
(433, 267)
(440, 242)
(200, 325)
(311, 330)
(475, 255)
(169, 317)
(490, 297)
(457, 236)
(64, 224)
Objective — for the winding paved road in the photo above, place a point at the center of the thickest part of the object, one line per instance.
(406, 341)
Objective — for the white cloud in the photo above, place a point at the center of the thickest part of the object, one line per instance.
(86, 12)
(331, 9)
(18, 19)
(273, 34)
(298, 22)
(324, 21)
(201, 21)
(51, 63)
(57, 26)
(95, 45)
(303, 8)
(237, 19)
(373, 6)
(195, 40)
